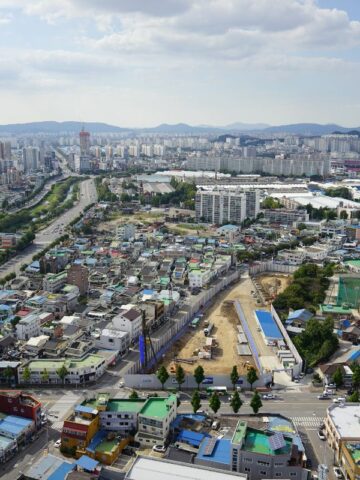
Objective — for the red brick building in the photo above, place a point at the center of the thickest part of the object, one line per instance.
(21, 404)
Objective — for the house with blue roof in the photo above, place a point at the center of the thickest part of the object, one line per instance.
(16, 428)
(299, 318)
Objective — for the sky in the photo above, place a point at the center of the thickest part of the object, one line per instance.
(139, 63)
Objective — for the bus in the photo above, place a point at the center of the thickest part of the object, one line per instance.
(218, 390)
(195, 322)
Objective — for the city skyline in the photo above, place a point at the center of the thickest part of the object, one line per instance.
(142, 63)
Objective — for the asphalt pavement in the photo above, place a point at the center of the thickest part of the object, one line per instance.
(53, 231)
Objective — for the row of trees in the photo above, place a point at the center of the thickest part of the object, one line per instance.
(235, 402)
(199, 376)
(62, 372)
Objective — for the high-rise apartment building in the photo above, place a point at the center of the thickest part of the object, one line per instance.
(31, 159)
(84, 142)
(220, 206)
(79, 275)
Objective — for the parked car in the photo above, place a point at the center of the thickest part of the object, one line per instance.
(338, 472)
(321, 435)
(57, 444)
(323, 397)
(339, 400)
(159, 448)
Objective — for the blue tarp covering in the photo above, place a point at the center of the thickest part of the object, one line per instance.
(61, 472)
(220, 454)
(87, 463)
(190, 437)
(268, 325)
(354, 356)
(96, 440)
(82, 409)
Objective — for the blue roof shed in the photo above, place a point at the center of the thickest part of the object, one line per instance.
(268, 325)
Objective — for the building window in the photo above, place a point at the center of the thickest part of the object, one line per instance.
(293, 474)
(277, 474)
(247, 469)
(248, 460)
(263, 472)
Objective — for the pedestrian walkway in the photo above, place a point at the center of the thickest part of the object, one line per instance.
(308, 422)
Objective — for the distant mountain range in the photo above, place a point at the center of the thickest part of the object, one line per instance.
(174, 129)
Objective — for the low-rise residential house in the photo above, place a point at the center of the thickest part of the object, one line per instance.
(129, 320)
(199, 278)
(154, 420)
(113, 339)
(14, 402)
(28, 327)
(341, 427)
(292, 257)
(54, 282)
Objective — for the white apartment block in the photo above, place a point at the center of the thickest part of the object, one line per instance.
(199, 278)
(112, 339)
(28, 327)
(129, 320)
(220, 207)
(292, 257)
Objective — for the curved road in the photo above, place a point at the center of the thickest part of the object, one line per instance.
(53, 231)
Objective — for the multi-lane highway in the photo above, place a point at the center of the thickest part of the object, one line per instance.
(53, 231)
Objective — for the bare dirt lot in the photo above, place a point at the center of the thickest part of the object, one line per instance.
(223, 315)
(273, 284)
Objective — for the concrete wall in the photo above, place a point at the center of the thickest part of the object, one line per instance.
(150, 382)
(271, 266)
(297, 368)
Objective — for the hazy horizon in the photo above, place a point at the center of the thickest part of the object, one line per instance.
(140, 63)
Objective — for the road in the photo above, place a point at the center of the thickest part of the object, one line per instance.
(306, 414)
(53, 231)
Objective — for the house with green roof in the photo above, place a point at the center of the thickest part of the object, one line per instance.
(154, 420)
(267, 453)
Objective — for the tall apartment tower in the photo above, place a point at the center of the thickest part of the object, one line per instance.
(79, 275)
(84, 142)
(220, 206)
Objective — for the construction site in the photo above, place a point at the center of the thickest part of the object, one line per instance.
(216, 339)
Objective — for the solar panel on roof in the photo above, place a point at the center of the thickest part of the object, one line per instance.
(277, 441)
(210, 447)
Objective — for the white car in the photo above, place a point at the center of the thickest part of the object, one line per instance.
(57, 444)
(321, 435)
(159, 448)
(339, 400)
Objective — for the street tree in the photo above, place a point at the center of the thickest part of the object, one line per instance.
(356, 376)
(199, 375)
(195, 401)
(252, 376)
(179, 375)
(8, 374)
(256, 402)
(134, 395)
(26, 374)
(45, 375)
(234, 376)
(214, 402)
(162, 376)
(354, 397)
(338, 377)
(236, 402)
(62, 372)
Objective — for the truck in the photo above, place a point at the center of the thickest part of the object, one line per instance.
(208, 329)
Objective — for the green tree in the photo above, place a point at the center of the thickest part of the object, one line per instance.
(356, 376)
(162, 376)
(214, 402)
(179, 375)
(343, 215)
(195, 401)
(62, 372)
(8, 374)
(45, 376)
(26, 374)
(353, 398)
(234, 376)
(134, 395)
(199, 375)
(338, 377)
(256, 402)
(236, 402)
(252, 376)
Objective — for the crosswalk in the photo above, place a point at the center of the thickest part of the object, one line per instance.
(307, 422)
